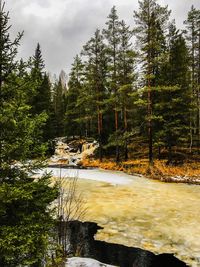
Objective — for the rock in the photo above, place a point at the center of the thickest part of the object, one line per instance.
(85, 262)
(82, 243)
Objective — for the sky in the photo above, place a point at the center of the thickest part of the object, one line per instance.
(62, 27)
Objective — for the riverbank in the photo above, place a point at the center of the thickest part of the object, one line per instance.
(186, 173)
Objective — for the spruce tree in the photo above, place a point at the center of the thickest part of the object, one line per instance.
(37, 75)
(25, 217)
(74, 125)
(59, 106)
(41, 98)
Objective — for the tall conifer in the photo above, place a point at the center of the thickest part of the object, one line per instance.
(151, 23)
(25, 217)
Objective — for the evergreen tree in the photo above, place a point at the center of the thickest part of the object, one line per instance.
(74, 125)
(95, 74)
(41, 98)
(25, 217)
(59, 106)
(45, 106)
(173, 102)
(151, 23)
(37, 75)
(113, 39)
(126, 76)
(193, 40)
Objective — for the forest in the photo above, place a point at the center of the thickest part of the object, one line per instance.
(136, 91)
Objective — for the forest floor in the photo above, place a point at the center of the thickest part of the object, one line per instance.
(188, 172)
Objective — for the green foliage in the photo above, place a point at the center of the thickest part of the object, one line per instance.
(25, 220)
(59, 108)
(74, 110)
(108, 96)
(25, 215)
(193, 41)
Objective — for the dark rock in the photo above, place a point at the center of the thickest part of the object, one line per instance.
(167, 260)
(83, 244)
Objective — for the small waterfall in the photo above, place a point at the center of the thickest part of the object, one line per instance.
(71, 153)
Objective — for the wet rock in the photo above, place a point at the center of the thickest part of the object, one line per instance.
(81, 239)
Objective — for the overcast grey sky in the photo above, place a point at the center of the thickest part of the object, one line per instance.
(62, 27)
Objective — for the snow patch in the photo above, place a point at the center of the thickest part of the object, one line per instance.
(85, 262)
(115, 178)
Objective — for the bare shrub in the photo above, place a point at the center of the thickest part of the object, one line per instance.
(70, 206)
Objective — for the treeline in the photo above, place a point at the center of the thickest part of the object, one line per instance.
(138, 88)
(137, 91)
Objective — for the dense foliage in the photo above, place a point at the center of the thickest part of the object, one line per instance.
(25, 215)
(134, 90)
(134, 97)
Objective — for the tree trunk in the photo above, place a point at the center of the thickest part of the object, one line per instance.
(1, 83)
(125, 130)
(191, 134)
(149, 108)
(198, 94)
(150, 122)
(116, 130)
(169, 154)
(100, 134)
(159, 152)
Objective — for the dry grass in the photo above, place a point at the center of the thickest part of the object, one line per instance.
(106, 164)
(188, 172)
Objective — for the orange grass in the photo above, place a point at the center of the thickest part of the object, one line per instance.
(106, 165)
(159, 170)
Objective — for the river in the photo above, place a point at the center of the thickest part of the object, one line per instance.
(135, 211)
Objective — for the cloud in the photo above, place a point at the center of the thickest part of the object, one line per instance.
(62, 27)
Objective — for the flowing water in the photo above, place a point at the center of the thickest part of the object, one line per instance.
(134, 211)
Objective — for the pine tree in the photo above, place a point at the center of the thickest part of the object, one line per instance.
(173, 101)
(113, 39)
(193, 40)
(151, 23)
(126, 76)
(95, 72)
(25, 217)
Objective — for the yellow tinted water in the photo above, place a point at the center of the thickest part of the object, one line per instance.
(148, 214)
